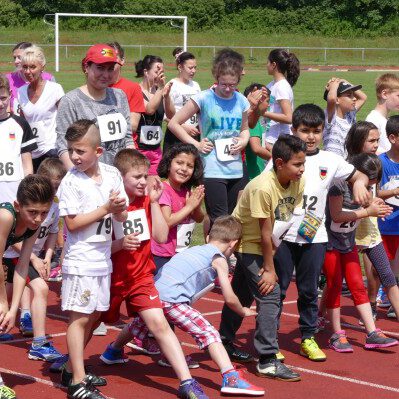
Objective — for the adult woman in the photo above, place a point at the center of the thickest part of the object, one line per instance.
(157, 103)
(95, 100)
(17, 79)
(39, 101)
(182, 90)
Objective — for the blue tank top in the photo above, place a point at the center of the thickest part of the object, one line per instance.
(186, 274)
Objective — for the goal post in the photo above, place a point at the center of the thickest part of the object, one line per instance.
(56, 27)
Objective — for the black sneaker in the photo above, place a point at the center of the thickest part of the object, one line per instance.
(273, 368)
(84, 390)
(237, 355)
(66, 379)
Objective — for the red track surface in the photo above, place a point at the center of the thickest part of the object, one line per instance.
(363, 374)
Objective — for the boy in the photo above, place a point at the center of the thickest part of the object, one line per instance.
(20, 223)
(188, 276)
(132, 277)
(304, 245)
(344, 100)
(91, 195)
(389, 191)
(387, 91)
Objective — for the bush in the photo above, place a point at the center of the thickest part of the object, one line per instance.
(12, 14)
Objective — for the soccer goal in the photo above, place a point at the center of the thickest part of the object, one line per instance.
(58, 15)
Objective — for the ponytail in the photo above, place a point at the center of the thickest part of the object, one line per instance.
(287, 63)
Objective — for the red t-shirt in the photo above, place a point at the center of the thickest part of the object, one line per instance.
(133, 93)
(130, 266)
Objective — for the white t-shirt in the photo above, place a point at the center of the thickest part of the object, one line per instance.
(335, 132)
(381, 122)
(280, 90)
(180, 94)
(321, 169)
(88, 251)
(41, 115)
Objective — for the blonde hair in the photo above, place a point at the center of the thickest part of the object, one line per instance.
(225, 229)
(33, 53)
(129, 158)
(387, 81)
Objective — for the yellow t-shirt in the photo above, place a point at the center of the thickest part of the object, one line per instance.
(263, 198)
(367, 233)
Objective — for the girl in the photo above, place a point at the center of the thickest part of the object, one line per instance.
(342, 260)
(284, 67)
(224, 134)
(363, 137)
(182, 167)
(182, 90)
(157, 102)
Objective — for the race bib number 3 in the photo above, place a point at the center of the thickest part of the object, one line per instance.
(99, 231)
(150, 135)
(112, 127)
(136, 222)
(184, 236)
(223, 148)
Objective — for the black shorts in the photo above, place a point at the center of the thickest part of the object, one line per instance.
(10, 263)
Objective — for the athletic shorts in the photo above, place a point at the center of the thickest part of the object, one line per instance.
(85, 294)
(141, 296)
(154, 156)
(11, 263)
(391, 244)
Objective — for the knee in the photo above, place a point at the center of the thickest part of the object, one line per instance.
(40, 288)
(158, 326)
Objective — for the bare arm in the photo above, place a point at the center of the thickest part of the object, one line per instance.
(160, 228)
(135, 119)
(360, 182)
(285, 116)
(257, 149)
(27, 165)
(361, 98)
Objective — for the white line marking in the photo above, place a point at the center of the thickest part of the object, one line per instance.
(220, 301)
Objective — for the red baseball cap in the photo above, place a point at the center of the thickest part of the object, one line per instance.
(100, 54)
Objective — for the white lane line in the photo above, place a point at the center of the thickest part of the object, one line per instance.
(220, 301)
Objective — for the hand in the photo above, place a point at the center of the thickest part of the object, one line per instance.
(160, 79)
(166, 89)
(238, 145)
(333, 82)
(191, 130)
(131, 242)
(41, 267)
(361, 195)
(264, 102)
(254, 97)
(154, 188)
(267, 281)
(205, 146)
(8, 322)
(248, 312)
(379, 208)
(115, 203)
(3, 310)
(194, 199)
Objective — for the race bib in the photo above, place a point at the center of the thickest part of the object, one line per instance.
(309, 226)
(151, 135)
(38, 130)
(345, 227)
(223, 148)
(100, 231)
(184, 236)
(280, 229)
(136, 222)
(391, 185)
(112, 127)
(10, 168)
(203, 292)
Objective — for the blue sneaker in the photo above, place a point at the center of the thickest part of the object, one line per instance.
(384, 301)
(6, 337)
(25, 325)
(191, 390)
(113, 356)
(58, 364)
(235, 383)
(46, 352)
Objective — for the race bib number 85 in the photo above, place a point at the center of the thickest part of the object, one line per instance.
(136, 222)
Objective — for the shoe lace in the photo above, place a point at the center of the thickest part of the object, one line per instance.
(312, 344)
(7, 393)
(27, 322)
(197, 388)
(379, 333)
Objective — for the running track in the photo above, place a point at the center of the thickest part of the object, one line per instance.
(363, 374)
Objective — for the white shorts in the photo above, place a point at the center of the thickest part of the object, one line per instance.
(85, 294)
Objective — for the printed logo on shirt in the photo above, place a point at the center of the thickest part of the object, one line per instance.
(11, 136)
(323, 172)
(85, 297)
(153, 297)
(56, 200)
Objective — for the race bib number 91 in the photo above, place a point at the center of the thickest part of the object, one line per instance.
(112, 127)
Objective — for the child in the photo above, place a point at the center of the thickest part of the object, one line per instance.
(389, 191)
(132, 277)
(344, 101)
(284, 67)
(342, 259)
(20, 223)
(266, 204)
(387, 91)
(180, 203)
(91, 195)
(39, 266)
(188, 276)
(363, 137)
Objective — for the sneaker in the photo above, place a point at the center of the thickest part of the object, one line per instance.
(377, 339)
(237, 355)
(25, 325)
(191, 390)
(273, 368)
(113, 356)
(379, 294)
(7, 393)
(280, 356)
(373, 311)
(191, 364)
(384, 301)
(58, 364)
(66, 379)
(147, 346)
(236, 383)
(339, 343)
(46, 352)
(311, 350)
(6, 337)
(100, 330)
(55, 274)
(320, 324)
(84, 390)
(391, 313)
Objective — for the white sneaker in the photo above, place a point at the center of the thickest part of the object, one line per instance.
(100, 330)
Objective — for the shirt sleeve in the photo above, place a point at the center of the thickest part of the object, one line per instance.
(199, 98)
(136, 102)
(336, 190)
(165, 198)
(299, 197)
(283, 91)
(66, 115)
(260, 204)
(54, 228)
(28, 143)
(69, 198)
(345, 170)
(59, 93)
(126, 113)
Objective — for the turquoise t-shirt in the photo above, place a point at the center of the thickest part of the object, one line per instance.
(220, 118)
(255, 164)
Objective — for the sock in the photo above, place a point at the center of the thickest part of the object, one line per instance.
(266, 358)
(185, 382)
(24, 312)
(1, 381)
(227, 369)
(39, 341)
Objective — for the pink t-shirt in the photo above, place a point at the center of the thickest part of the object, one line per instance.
(176, 200)
(16, 81)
